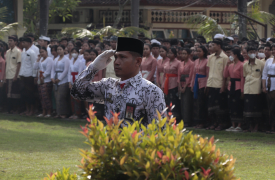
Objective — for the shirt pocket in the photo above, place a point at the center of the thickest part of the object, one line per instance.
(14, 60)
(256, 73)
(220, 66)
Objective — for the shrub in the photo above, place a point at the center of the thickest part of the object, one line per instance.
(61, 175)
(137, 152)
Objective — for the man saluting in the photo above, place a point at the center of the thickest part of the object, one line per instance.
(131, 95)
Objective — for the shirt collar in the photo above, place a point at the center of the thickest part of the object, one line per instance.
(255, 61)
(220, 55)
(134, 81)
(12, 49)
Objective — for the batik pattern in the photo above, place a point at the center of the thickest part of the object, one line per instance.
(146, 96)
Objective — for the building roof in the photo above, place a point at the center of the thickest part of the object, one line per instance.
(210, 3)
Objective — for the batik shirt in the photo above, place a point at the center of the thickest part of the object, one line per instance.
(139, 98)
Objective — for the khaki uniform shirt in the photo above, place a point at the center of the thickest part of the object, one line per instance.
(216, 64)
(13, 57)
(253, 76)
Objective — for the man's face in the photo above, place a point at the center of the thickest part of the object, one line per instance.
(23, 44)
(215, 47)
(228, 53)
(125, 65)
(155, 51)
(64, 43)
(11, 43)
(196, 45)
(113, 44)
(261, 51)
(267, 51)
(167, 44)
(31, 38)
(40, 42)
(147, 41)
(252, 52)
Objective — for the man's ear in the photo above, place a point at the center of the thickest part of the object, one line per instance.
(138, 61)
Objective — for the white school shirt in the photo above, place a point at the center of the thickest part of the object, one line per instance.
(61, 69)
(74, 67)
(269, 69)
(46, 67)
(28, 58)
(35, 49)
(144, 95)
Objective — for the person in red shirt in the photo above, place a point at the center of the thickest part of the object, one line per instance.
(234, 70)
(184, 83)
(148, 64)
(198, 86)
(170, 85)
(160, 66)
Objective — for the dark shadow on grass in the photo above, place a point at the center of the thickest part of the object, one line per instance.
(29, 142)
(48, 121)
(223, 136)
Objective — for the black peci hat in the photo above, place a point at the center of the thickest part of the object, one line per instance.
(130, 44)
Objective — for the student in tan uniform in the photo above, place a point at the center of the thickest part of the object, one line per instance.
(13, 64)
(217, 97)
(252, 71)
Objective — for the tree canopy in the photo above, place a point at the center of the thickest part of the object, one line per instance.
(60, 8)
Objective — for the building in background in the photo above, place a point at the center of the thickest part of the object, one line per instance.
(15, 14)
(159, 16)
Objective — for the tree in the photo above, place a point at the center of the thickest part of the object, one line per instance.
(77, 32)
(44, 17)
(5, 28)
(208, 26)
(135, 13)
(60, 8)
(120, 11)
(242, 8)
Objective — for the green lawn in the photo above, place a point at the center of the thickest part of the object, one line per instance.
(32, 147)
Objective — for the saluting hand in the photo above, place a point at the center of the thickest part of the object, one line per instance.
(103, 59)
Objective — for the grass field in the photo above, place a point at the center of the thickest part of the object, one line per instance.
(32, 147)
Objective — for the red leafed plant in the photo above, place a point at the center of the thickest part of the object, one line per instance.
(162, 150)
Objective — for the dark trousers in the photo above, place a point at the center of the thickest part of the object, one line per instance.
(28, 90)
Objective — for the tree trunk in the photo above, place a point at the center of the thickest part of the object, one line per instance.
(119, 14)
(242, 8)
(44, 17)
(135, 13)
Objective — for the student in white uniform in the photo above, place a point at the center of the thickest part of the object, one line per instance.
(45, 85)
(59, 76)
(27, 75)
(33, 47)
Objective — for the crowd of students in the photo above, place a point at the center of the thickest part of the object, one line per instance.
(224, 84)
